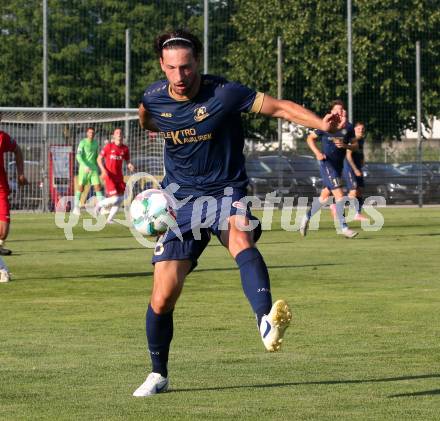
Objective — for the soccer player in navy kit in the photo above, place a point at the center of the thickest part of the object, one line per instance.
(353, 176)
(199, 118)
(331, 158)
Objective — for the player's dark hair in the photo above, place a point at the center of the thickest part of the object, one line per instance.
(90, 128)
(177, 39)
(359, 123)
(337, 102)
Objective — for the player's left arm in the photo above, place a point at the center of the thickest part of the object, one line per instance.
(130, 165)
(291, 111)
(349, 158)
(19, 162)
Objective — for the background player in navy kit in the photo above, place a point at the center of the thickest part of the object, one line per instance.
(353, 176)
(331, 158)
(199, 117)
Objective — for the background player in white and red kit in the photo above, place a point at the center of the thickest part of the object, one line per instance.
(110, 161)
(7, 145)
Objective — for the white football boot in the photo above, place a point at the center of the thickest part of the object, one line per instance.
(5, 276)
(304, 226)
(348, 233)
(155, 383)
(273, 325)
(76, 211)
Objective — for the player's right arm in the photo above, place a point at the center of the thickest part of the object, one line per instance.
(291, 111)
(80, 157)
(145, 120)
(100, 163)
(311, 142)
(19, 162)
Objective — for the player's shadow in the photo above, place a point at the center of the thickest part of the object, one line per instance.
(430, 234)
(120, 249)
(123, 275)
(327, 382)
(422, 393)
(100, 276)
(269, 267)
(62, 238)
(144, 274)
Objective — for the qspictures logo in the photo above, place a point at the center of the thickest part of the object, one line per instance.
(206, 208)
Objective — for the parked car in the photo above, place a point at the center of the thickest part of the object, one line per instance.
(434, 166)
(29, 197)
(382, 179)
(412, 169)
(307, 175)
(269, 174)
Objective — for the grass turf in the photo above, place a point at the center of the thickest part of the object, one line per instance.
(363, 344)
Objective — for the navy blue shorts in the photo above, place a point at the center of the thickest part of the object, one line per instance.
(352, 181)
(197, 220)
(331, 174)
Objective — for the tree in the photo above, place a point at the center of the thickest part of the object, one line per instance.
(21, 54)
(384, 51)
(315, 56)
(86, 49)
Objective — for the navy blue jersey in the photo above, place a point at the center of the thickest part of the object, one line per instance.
(358, 156)
(203, 136)
(334, 154)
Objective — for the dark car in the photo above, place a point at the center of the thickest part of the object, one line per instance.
(433, 166)
(307, 175)
(30, 196)
(429, 175)
(413, 169)
(382, 179)
(269, 174)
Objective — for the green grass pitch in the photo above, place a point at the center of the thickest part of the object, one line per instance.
(363, 345)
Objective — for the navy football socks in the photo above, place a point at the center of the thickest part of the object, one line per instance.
(360, 204)
(255, 281)
(159, 335)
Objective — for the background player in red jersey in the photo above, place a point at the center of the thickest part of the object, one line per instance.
(110, 161)
(7, 145)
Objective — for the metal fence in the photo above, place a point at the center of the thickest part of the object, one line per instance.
(297, 175)
(49, 139)
(87, 63)
(99, 54)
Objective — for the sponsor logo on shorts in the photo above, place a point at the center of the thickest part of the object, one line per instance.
(159, 249)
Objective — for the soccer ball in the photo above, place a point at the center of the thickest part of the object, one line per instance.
(151, 212)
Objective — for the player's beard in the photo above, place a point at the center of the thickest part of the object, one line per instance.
(189, 87)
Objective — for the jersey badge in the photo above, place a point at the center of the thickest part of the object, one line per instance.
(200, 114)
